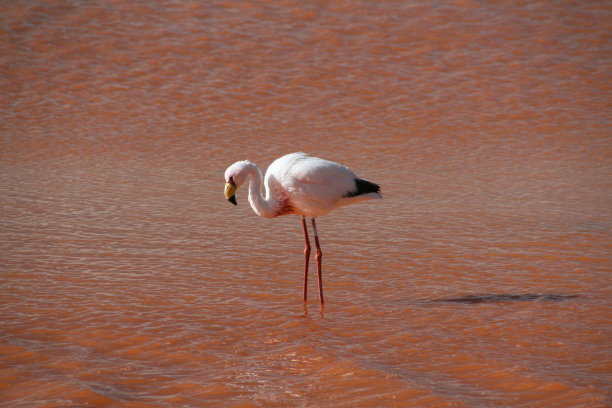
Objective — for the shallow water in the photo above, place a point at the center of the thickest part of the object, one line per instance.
(482, 279)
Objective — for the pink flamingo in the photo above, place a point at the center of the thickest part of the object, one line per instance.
(303, 185)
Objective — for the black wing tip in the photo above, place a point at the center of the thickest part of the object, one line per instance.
(363, 187)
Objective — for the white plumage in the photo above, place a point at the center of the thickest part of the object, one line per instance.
(299, 184)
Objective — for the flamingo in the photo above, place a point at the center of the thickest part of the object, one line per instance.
(303, 185)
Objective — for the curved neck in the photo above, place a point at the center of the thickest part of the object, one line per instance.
(263, 206)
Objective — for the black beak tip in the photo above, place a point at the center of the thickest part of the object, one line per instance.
(232, 200)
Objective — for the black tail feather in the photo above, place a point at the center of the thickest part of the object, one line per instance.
(363, 187)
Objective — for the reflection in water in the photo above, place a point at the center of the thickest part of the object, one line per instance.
(126, 280)
(320, 308)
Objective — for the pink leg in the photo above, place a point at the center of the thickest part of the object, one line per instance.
(318, 257)
(306, 257)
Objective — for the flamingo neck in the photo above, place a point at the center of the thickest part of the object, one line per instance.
(263, 206)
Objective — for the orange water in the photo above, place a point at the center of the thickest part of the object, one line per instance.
(481, 280)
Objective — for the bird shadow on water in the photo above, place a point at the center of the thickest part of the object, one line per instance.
(504, 297)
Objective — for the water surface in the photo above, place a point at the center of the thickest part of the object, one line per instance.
(482, 279)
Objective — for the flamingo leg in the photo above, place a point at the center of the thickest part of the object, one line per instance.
(318, 257)
(306, 256)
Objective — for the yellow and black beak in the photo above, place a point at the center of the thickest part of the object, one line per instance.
(230, 192)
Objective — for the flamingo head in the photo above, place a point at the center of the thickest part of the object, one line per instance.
(235, 176)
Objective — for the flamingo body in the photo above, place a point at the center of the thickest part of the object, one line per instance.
(300, 184)
(303, 185)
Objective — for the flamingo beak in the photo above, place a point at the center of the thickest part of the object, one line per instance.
(230, 193)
